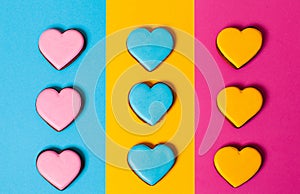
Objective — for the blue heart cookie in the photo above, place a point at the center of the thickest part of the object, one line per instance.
(150, 48)
(151, 104)
(151, 165)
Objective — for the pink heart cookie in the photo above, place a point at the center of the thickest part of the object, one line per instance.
(61, 48)
(59, 169)
(58, 109)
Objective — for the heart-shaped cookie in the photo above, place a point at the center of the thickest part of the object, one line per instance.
(151, 104)
(151, 165)
(239, 47)
(239, 106)
(235, 166)
(59, 169)
(61, 48)
(58, 109)
(150, 48)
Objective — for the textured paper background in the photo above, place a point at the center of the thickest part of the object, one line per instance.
(24, 73)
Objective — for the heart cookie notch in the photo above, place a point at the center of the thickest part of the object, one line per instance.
(235, 166)
(239, 106)
(239, 47)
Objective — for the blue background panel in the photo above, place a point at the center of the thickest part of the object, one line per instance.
(24, 74)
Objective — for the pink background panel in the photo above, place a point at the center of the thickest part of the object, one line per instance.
(275, 71)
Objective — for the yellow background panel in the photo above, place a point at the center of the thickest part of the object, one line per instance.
(123, 128)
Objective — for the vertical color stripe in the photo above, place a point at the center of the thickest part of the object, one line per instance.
(123, 128)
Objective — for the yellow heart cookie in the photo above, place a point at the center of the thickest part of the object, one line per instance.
(239, 106)
(235, 166)
(239, 47)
